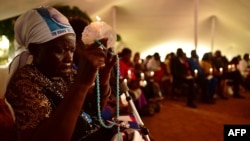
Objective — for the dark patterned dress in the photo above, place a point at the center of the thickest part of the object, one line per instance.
(26, 94)
(33, 98)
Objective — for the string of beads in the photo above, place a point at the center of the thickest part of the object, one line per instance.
(117, 99)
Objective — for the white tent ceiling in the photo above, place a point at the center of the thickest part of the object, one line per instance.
(150, 26)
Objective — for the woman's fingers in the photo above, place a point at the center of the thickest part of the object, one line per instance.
(96, 56)
(97, 59)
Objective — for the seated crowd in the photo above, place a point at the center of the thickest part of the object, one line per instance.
(202, 79)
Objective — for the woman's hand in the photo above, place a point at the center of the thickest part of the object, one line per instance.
(96, 58)
(91, 59)
(105, 72)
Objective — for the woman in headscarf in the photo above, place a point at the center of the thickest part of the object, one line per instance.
(90, 35)
(46, 104)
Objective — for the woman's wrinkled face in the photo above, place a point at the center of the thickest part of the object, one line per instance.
(55, 58)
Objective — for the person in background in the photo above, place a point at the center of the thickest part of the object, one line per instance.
(199, 77)
(230, 73)
(167, 61)
(126, 66)
(167, 80)
(182, 76)
(44, 94)
(159, 70)
(211, 80)
(244, 69)
(127, 71)
(145, 63)
(154, 64)
(198, 74)
(138, 64)
(217, 62)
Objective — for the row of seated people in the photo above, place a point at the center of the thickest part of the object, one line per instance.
(145, 92)
(211, 75)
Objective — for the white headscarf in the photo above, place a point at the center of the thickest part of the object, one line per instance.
(41, 25)
(38, 25)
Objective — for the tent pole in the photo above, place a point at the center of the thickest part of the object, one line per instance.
(114, 22)
(212, 32)
(196, 10)
(114, 17)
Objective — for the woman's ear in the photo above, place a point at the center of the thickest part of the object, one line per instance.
(34, 49)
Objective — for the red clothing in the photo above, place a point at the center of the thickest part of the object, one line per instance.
(160, 73)
(124, 68)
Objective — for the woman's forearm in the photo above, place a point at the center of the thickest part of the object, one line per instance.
(105, 94)
(62, 123)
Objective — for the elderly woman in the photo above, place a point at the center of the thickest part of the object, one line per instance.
(46, 104)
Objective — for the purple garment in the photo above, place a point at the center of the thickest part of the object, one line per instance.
(141, 101)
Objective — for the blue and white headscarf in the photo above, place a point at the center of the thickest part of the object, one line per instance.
(41, 25)
(38, 26)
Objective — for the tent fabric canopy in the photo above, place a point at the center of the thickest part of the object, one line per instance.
(163, 25)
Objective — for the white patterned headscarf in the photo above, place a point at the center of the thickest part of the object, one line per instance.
(41, 25)
(38, 26)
